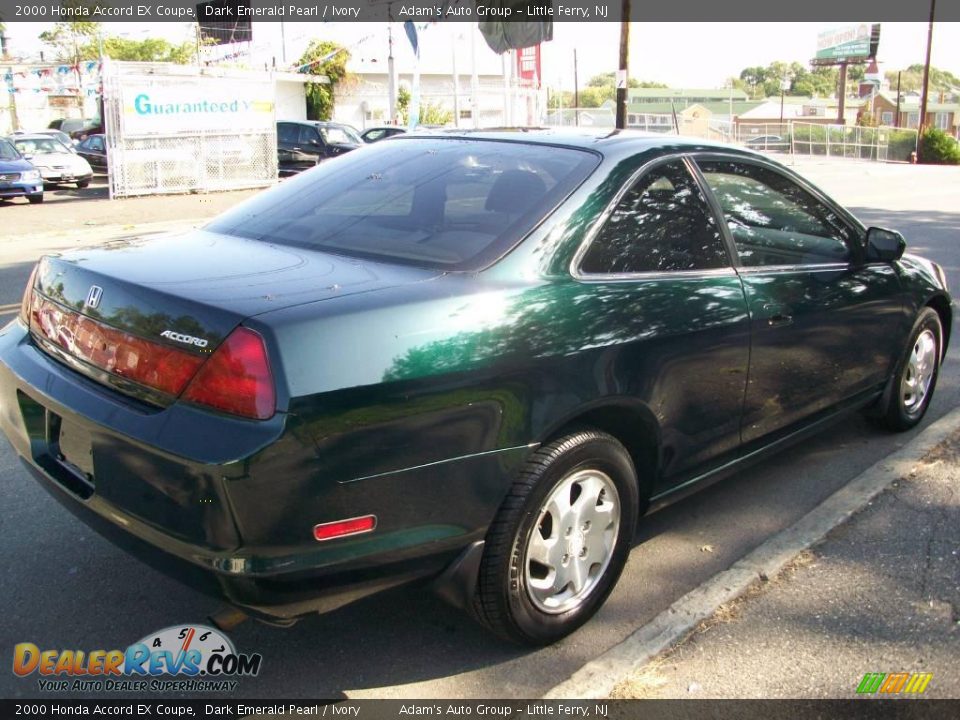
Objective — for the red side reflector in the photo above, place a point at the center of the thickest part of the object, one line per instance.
(340, 528)
(236, 379)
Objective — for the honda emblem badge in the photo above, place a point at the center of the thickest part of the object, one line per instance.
(93, 297)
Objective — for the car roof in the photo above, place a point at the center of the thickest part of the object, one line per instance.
(315, 123)
(35, 136)
(605, 141)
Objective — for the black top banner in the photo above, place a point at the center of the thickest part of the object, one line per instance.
(472, 11)
(492, 709)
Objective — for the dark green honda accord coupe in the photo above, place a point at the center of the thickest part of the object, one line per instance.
(471, 360)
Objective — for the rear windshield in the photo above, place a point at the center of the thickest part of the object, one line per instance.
(444, 203)
(7, 151)
(339, 134)
(40, 146)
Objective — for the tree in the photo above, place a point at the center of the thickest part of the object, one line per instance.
(431, 114)
(149, 50)
(403, 105)
(323, 57)
(73, 41)
(911, 80)
(938, 148)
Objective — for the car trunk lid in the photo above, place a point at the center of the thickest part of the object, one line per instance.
(142, 315)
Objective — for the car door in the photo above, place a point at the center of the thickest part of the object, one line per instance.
(675, 315)
(311, 147)
(288, 140)
(821, 317)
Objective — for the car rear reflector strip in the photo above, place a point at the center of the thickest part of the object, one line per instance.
(343, 528)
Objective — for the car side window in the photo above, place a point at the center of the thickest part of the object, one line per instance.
(96, 144)
(287, 133)
(309, 136)
(773, 220)
(662, 224)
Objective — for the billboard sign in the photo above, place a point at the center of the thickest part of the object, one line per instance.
(528, 66)
(851, 42)
(214, 105)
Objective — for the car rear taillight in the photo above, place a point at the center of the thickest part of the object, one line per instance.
(237, 378)
(27, 296)
(114, 351)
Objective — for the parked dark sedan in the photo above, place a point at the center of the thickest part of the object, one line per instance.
(304, 144)
(376, 134)
(472, 359)
(94, 150)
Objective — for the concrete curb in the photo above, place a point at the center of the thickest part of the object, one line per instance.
(598, 677)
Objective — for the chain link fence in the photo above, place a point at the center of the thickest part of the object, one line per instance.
(884, 144)
(188, 133)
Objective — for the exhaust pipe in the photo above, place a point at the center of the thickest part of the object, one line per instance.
(227, 617)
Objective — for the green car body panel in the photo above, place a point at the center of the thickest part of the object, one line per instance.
(415, 395)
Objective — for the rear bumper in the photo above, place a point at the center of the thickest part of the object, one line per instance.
(206, 499)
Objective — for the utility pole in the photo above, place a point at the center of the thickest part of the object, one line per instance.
(576, 90)
(896, 118)
(926, 83)
(474, 80)
(456, 83)
(391, 74)
(842, 94)
(623, 75)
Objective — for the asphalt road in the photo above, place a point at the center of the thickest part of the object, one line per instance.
(64, 587)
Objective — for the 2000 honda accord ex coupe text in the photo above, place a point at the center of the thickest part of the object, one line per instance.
(472, 359)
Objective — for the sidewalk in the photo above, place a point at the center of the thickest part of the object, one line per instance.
(881, 594)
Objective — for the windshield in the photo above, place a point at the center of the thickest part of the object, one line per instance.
(339, 134)
(8, 151)
(444, 203)
(40, 146)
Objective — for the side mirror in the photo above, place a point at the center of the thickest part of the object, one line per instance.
(884, 245)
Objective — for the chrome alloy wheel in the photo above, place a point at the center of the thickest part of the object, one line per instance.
(919, 372)
(572, 543)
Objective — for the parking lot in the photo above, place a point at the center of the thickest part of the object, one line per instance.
(68, 588)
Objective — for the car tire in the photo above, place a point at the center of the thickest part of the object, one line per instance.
(34, 199)
(915, 378)
(81, 184)
(560, 539)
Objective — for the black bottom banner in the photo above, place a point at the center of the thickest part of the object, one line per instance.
(865, 708)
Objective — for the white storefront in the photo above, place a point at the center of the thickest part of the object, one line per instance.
(175, 128)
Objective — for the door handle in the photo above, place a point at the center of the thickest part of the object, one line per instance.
(776, 315)
(779, 319)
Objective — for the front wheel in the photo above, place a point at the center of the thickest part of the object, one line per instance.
(81, 184)
(34, 199)
(560, 540)
(916, 375)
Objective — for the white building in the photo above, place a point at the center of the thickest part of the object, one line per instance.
(457, 72)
